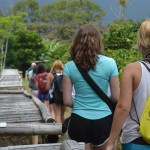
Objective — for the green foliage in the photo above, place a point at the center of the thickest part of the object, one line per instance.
(63, 11)
(60, 19)
(31, 7)
(60, 50)
(8, 25)
(57, 50)
(121, 34)
(26, 46)
(123, 57)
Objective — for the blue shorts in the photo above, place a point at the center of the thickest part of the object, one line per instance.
(85, 130)
(132, 146)
(43, 96)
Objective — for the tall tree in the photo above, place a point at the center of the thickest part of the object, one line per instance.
(8, 25)
(31, 7)
(25, 46)
(65, 16)
(122, 4)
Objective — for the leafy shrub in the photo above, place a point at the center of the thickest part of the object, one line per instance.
(121, 34)
(123, 57)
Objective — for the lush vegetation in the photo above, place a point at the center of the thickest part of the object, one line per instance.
(29, 33)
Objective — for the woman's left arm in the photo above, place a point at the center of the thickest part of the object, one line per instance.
(67, 91)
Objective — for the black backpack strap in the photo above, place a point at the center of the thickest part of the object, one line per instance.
(137, 121)
(143, 62)
(97, 89)
(55, 75)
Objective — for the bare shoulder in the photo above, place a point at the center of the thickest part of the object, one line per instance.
(133, 73)
(133, 68)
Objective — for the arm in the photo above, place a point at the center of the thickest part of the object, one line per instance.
(67, 90)
(123, 106)
(115, 89)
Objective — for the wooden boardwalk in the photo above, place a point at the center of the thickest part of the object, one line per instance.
(24, 114)
(11, 79)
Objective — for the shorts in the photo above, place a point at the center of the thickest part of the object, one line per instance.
(43, 96)
(52, 101)
(132, 146)
(85, 130)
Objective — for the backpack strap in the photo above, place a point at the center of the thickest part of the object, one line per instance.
(55, 76)
(138, 122)
(144, 63)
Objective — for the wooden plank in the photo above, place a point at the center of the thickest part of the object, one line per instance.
(9, 81)
(11, 85)
(47, 117)
(10, 72)
(23, 120)
(56, 146)
(32, 129)
(21, 107)
(18, 110)
(70, 145)
(11, 92)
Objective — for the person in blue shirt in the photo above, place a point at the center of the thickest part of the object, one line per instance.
(91, 118)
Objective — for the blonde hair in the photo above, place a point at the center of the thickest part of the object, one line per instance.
(143, 42)
(57, 66)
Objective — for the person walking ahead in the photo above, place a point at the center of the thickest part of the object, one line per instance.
(91, 117)
(43, 84)
(135, 90)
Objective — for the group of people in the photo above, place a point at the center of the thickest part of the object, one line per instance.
(92, 121)
(41, 81)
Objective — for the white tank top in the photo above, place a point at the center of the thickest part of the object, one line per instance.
(140, 96)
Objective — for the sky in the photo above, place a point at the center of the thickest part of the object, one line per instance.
(136, 10)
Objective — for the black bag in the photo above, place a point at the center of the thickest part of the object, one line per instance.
(57, 89)
(52, 139)
(65, 125)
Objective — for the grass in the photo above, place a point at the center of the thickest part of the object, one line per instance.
(26, 83)
(67, 114)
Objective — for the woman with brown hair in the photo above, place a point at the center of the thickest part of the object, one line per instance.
(91, 117)
(57, 102)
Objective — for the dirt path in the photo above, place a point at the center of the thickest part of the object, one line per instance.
(14, 140)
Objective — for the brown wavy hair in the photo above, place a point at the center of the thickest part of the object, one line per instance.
(86, 46)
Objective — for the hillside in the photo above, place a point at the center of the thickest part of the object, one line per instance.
(136, 9)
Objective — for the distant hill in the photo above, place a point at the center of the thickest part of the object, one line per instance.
(136, 9)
